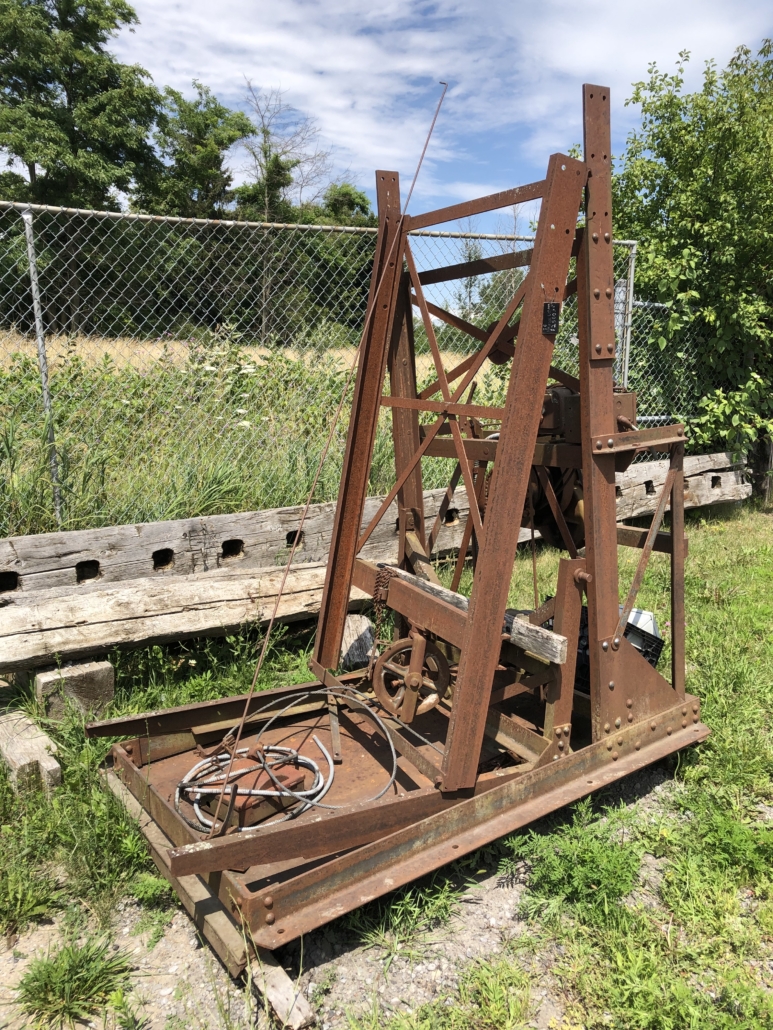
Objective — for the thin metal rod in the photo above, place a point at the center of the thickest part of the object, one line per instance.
(628, 314)
(43, 366)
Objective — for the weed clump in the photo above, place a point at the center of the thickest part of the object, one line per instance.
(72, 985)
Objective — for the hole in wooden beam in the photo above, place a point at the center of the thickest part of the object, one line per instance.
(451, 517)
(716, 482)
(163, 559)
(8, 581)
(291, 537)
(232, 549)
(618, 491)
(649, 486)
(85, 570)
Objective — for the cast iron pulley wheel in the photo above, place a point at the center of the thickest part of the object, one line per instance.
(392, 683)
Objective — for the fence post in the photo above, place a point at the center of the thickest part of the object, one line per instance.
(43, 366)
(628, 316)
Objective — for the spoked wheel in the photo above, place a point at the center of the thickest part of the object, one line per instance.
(404, 693)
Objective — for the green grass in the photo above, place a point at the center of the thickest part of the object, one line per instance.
(74, 984)
(696, 957)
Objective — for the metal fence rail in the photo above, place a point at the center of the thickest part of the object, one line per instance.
(157, 368)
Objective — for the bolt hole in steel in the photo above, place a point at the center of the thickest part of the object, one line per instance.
(391, 677)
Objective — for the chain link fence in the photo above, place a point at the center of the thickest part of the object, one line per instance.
(155, 368)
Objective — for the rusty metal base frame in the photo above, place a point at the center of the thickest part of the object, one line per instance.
(491, 723)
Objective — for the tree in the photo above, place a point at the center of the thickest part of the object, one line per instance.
(288, 164)
(695, 186)
(193, 138)
(75, 118)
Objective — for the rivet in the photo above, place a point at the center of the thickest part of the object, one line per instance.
(629, 702)
(617, 723)
(653, 726)
(684, 711)
(616, 643)
(630, 717)
(268, 901)
(558, 731)
(610, 442)
(615, 756)
(679, 432)
(611, 684)
(597, 294)
(270, 918)
(560, 745)
(608, 292)
(684, 724)
(619, 741)
(605, 646)
(695, 709)
(598, 348)
(695, 718)
(610, 347)
(595, 237)
(637, 745)
(566, 730)
(609, 745)
(606, 237)
(669, 731)
(606, 727)
(555, 758)
(599, 445)
(129, 749)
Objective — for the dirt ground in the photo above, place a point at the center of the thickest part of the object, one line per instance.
(179, 983)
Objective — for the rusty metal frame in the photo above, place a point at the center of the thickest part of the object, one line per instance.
(515, 702)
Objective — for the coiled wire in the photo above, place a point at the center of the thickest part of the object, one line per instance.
(207, 777)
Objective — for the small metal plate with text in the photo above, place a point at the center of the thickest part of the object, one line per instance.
(550, 312)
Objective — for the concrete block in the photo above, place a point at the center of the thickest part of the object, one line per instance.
(90, 685)
(357, 642)
(28, 753)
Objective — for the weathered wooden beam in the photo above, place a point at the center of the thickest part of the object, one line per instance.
(38, 629)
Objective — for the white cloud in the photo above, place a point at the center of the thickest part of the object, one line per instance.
(369, 73)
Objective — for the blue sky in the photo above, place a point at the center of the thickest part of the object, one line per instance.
(368, 72)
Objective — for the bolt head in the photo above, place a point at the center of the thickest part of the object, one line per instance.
(637, 745)
(617, 723)
(270, 918)
(615, 756)
(597, 294)
(653, 726)
(610, 442)
(599, 445)
(558, 731)
(619, 741)
(684, 724)
(669, 730)
(268, 901)
(629, 703)
(595, 237)
(598, 348)
(611, 684)
(560, 745)
(606, 727)
(606, 237)
(630, 717)
(609, 745)
(616, 643)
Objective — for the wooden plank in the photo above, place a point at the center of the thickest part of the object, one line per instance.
(551, 647)
(40, 629)
(629, 536)
(212, 919)
(48, 561)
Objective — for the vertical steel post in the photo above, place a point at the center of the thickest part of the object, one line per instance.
(43, 366)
